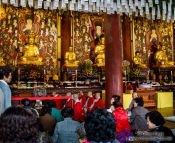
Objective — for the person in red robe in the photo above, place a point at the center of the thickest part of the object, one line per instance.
(78, 109)
(82, 98)
(123, 128)
(98, 102)
(70, 101)
(89, 102)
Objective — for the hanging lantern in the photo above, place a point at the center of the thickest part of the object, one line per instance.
(2, 12)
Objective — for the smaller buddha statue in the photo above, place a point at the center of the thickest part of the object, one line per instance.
(2, 63)
(31, 52)
(70, 58)
(138, 60)
(100, 53)
(161, 57)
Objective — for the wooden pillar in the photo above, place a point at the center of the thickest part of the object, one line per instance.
(126, 34)
(113, 59)
(65, 34)
(173, 41)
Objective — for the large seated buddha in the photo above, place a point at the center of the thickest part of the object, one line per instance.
(161, 57)
(31, 53)
(70, 58)
(100, 53)
(138, 60)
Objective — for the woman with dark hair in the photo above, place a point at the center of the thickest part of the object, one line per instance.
(100, 126)
(53, 110)
(155, 122)
(114, 98)
(131, 105)
(18, 125)
(137, 119)
(27, 104)
(47, 122)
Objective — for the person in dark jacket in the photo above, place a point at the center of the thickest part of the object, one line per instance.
(100, 127)
(157, 130)
(137, 119)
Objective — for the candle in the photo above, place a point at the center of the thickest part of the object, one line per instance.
(18, 71)
(148, 74)
(76, 75)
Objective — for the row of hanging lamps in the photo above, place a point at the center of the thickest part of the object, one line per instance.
(151, 9)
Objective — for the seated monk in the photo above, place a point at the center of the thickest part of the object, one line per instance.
(100, 53)
(31, 52)
(1, 60)
(161, 57)
(70, 58)
(138, 60)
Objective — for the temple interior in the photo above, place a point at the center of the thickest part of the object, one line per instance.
(125, 47)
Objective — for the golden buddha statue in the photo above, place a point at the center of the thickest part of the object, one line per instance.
(161, 57)
(31, 52)
(100, 53)
(138, 60)
(2, 63)
(70, 58)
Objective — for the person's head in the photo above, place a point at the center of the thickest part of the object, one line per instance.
(85, 44)
(51, 104)
(6, 75)
(15, 20)
(18, 125)
(89, 94)
(45, 110)
(68, 94)
(75, 96)
(67, 112)
(138, 101)
(97, 95)
(153, 31)
(70, 48)
(117, 104)
(115, 98)
(29, 20)
(134, 95)
(26, 102)
(100, 125)
(31, 38)
(98, 28)
(137, 53)
(154, 119)
(84, 29)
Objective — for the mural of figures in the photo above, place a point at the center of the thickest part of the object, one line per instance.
(15, 29)
(147, 35)
(87, 29)
(8, 36)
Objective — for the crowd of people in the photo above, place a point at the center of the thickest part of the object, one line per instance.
(82, 119)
